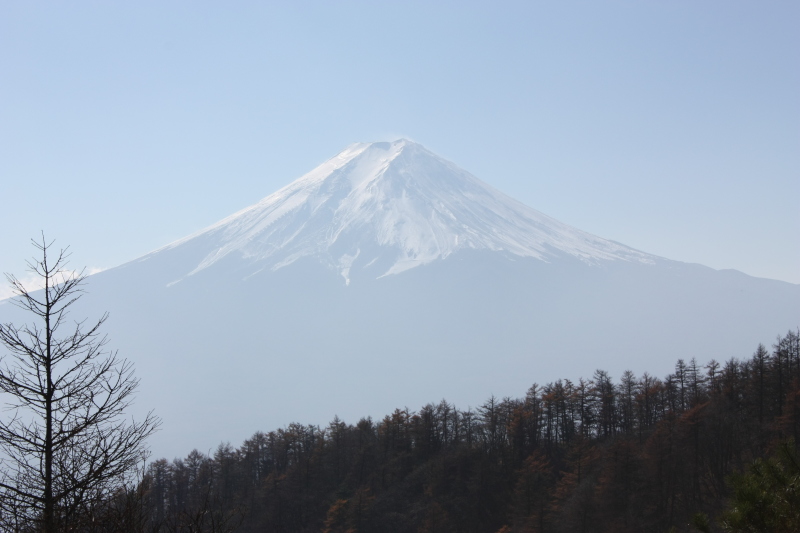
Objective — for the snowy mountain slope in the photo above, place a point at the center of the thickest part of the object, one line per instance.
(391, 206)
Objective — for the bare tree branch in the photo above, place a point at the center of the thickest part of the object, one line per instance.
(64, 444)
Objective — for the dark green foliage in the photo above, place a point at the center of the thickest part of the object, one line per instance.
(767, 497)
(701, 523)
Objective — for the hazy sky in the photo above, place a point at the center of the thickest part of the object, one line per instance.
(672, 127)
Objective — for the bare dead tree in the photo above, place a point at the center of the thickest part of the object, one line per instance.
(65, 444)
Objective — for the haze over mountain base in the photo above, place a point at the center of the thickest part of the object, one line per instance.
(388, 277)
(220, 358)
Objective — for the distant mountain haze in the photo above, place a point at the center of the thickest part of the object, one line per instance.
(389, 277)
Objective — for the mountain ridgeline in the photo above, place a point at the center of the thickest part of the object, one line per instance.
(384, 208)
(388, 276)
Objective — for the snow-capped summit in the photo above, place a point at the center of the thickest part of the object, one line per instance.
(388, 207)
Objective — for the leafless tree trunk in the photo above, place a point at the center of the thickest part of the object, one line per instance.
(64, 444)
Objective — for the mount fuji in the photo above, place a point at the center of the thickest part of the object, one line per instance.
(391, 207)
(389, 277)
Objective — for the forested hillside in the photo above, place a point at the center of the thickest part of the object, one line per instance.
(596, 455)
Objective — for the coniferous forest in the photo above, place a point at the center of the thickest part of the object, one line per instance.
(701, 449)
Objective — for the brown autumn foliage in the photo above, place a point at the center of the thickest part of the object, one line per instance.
(641, 454)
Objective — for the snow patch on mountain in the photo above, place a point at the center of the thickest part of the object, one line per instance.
(402, 200)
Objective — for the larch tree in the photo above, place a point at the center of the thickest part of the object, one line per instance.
(65, 444)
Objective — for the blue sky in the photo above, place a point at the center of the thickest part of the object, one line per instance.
(672, 127)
